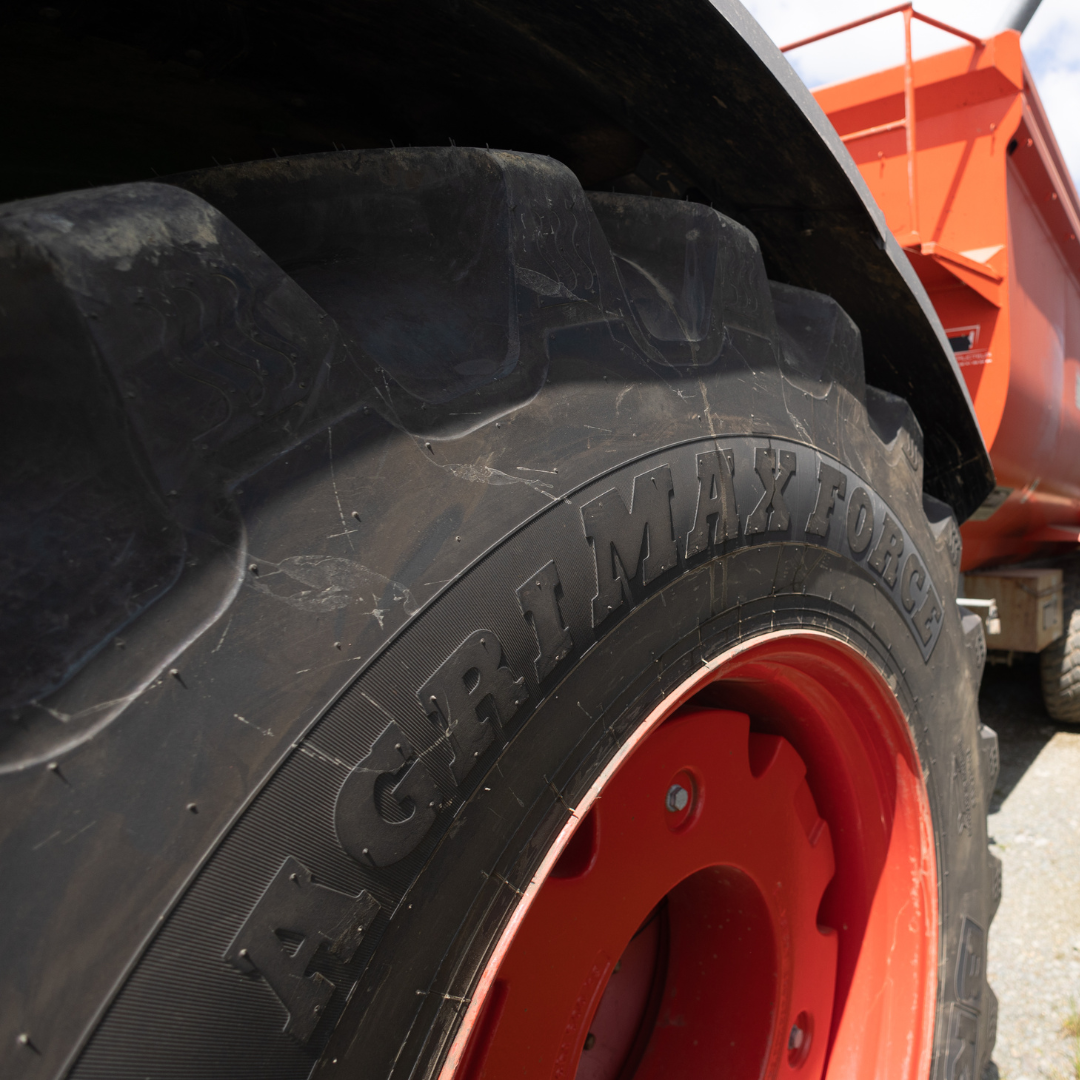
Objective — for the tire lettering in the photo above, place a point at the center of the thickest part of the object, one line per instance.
(860, 520)
(928, 617)
(970, 964)
(771, 512)
(472, 674)
(963, 793)
(717, 518)
(832, 484)
(362, 829)
(294, 907)
(474, 691)
(910, 448)
(953, 541)
(538, 598)
(913, 574)
(885, 558)
(961, 1060)
(619, 536)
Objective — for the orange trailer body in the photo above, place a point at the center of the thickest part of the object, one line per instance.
(984, 206)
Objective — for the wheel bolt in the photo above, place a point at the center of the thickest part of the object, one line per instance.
(798, 1044)
(677, 798)
(681, 800)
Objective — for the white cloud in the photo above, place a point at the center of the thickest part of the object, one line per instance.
(1051, 46)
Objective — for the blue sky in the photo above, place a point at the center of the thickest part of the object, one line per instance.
(1051, 46)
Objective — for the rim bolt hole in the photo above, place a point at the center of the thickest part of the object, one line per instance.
(798, 1047)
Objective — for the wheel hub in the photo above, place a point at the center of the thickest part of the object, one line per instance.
(680, 924)
(698, 917)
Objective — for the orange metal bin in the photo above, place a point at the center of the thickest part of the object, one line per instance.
(959, 154)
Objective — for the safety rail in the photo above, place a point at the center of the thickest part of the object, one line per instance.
(913, 239)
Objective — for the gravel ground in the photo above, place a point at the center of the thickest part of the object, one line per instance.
(1034, 825)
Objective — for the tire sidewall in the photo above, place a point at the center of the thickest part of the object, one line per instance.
(513, 804)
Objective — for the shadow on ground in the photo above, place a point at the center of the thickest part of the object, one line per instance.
(1034, 822)
(1010, 702)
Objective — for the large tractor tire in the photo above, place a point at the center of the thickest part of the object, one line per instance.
(464, 626)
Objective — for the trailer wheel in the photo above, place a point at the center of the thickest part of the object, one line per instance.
(1059, 662)
(623, 719)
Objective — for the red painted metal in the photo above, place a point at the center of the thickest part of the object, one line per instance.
(910, 238)
(741, 875)
(979, 196)
(715, 905)
(908, 9)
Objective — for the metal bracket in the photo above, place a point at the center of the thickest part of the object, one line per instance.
(993, 623)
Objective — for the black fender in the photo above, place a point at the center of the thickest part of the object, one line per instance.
(692, 91)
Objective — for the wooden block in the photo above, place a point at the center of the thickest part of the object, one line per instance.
(1029, 605)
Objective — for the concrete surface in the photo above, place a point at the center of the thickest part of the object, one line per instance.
(1034, 825)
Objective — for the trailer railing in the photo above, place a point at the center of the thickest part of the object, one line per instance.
(913, 238)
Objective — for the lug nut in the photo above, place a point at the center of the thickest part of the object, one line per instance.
(681, 800)
(677, 798)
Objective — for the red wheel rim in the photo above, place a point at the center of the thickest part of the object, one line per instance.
(728, 901)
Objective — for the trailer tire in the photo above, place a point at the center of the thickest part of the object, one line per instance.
(1059, 662)
(499, 476)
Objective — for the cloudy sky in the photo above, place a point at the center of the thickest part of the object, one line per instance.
(1051, 46)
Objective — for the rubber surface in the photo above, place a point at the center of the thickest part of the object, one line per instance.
(1059, 662)
(664, 100)
(471, 468)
